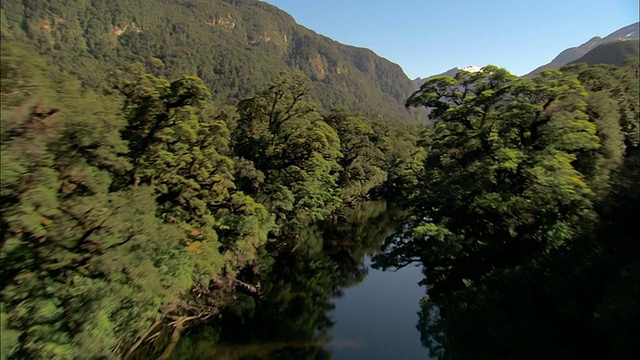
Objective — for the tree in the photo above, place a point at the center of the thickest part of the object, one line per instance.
(549, 306)
(498, 183)
(621, 85)
(177, 146)
(402, 159)
(85, 270)
(612, 105)
(293, 152)
(361, 161)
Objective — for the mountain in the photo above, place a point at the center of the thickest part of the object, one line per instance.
(235, 46)
(627, 33)
(614, 53)
(417, 82)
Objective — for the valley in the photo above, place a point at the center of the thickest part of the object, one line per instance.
(194, 179)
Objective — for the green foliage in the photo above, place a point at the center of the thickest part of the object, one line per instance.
(503, 217)
(102, 237)
(83, 268)
(117, 213)
(235, 47)
(549, 306)
(175, 146)
(361, 161)
(293, 152)
(402, 159)
(612, 105)
(499, 182)
(113, 217)
(621, 86)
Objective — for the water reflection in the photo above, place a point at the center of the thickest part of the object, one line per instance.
(379, 316)
(294, 319)
(579, 302)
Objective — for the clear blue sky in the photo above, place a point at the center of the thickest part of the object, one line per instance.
(428, 37)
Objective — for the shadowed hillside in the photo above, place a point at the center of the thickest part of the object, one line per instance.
(615, 53)
(627, 33)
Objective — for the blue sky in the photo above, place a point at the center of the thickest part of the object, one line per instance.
(431, 36)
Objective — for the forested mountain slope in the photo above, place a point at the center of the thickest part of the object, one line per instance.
(615, 53)
(235, 46)
(627, 33)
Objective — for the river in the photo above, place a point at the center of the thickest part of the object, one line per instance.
(324, 301)
(377, 318)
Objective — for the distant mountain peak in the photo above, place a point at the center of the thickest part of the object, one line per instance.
(471, 68)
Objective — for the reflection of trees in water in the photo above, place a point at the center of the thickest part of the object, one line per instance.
(582, 301)
(347, 242)
(522, 257)
(290, 321)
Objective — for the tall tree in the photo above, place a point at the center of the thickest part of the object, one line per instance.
(85, 270)
(498, 180)
(361, 161)
(177, 146)
(293, 150)
(613, 106)
(621, 84)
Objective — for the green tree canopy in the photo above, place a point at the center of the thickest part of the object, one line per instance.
(292, 148)
(177, 146)
(498, 181)
(361, 161)
(84, 269)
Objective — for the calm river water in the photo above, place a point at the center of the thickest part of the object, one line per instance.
(377, 318)
(324, 301)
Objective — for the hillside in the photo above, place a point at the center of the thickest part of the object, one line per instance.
(615, 53)
(235, 46)
(627, 33)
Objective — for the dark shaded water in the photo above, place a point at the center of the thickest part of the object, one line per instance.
(324, 301)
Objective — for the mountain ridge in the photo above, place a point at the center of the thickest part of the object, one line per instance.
(235, 46)
(575, 54)
(627, 33)
(613, 53)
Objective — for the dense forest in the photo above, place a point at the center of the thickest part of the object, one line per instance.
(145, 193)
(141, 204)
(523, 216)
(235, 47)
